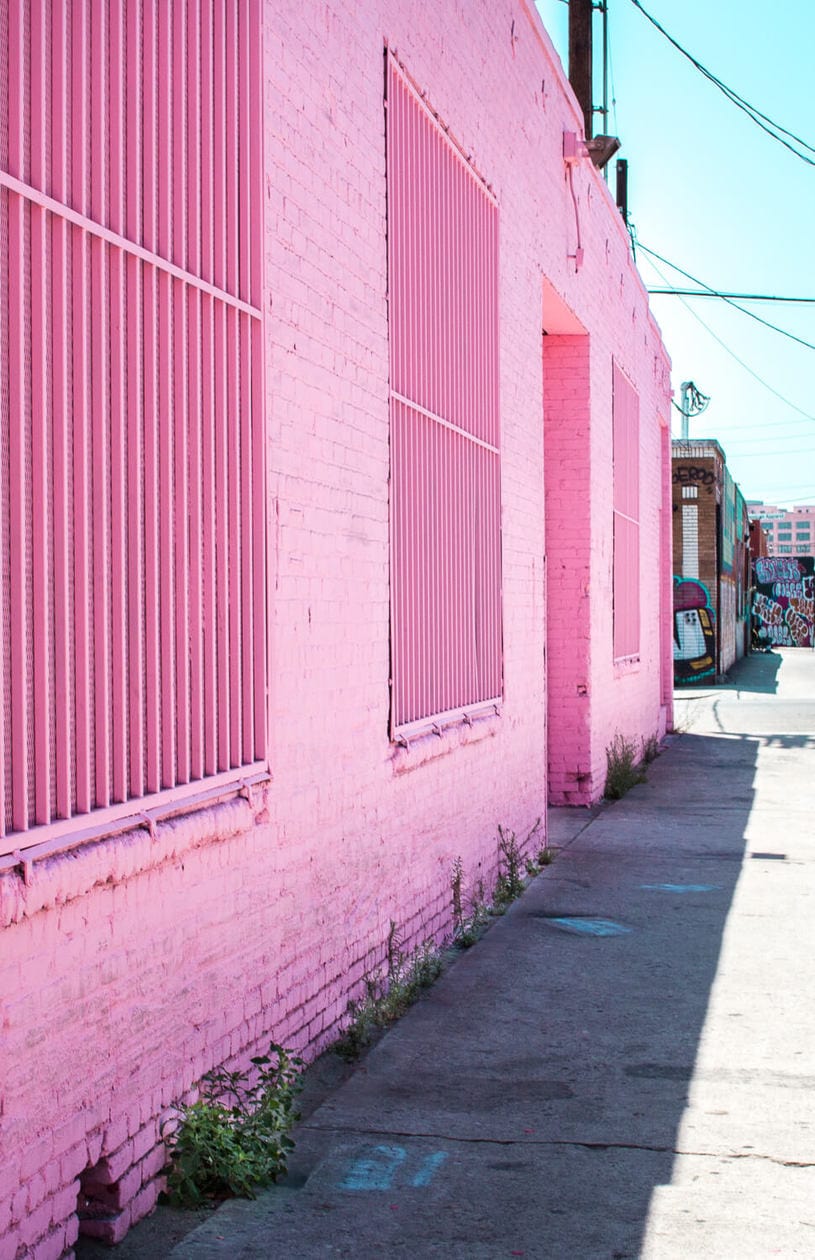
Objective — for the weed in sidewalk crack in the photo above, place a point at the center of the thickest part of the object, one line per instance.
(388, 996)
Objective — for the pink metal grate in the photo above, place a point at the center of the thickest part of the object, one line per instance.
(626, 518)
(132, 541)
(445, 464)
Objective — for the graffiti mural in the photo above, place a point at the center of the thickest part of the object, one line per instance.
(784, 601)
(694, 637)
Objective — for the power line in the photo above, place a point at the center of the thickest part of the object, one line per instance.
(772, 438)
(806, 415)
(717, 293)
(760, 119)
(742, 297)
(802, 450)
(616, 131)
(798, 498)
(804, 489)
(771, 441)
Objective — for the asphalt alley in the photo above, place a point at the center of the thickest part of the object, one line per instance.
(623, 1066)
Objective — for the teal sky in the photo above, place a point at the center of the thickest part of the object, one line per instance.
(711, 192)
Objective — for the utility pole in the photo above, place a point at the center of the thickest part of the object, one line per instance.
(685, 405)
(580, 59)
(693, 404)
(622, 188)
(603, 7)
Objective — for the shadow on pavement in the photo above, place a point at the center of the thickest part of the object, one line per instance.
(757, 672)
(531, 1104)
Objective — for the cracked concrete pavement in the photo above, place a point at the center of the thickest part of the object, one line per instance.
(623, 1066)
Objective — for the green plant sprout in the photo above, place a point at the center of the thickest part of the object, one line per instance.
(623, 769)
(235, 1138)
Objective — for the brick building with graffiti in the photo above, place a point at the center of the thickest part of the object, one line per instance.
(711, 548)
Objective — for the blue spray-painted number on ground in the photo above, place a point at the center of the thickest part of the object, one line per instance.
(681, 888)
(429, 1169)
(379, 1169)
(375, 1171)
(592, 927)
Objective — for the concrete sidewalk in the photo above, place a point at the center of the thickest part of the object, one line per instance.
(624, 1066)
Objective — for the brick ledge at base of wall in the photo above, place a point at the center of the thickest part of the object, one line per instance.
(428, 746)
(72, 874)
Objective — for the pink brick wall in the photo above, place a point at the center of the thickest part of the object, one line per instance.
(132, 966)
(630, 698)
(591, 697)
(567, 422)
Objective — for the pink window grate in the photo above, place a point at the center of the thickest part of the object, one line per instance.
(626, 447)
(445, 457)
(132, 535)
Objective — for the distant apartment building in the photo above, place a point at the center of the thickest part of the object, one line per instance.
(711, 563)
(790, 531)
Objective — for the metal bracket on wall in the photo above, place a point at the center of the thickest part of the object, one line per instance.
(148, 821)
(26, 867)
(249, 792)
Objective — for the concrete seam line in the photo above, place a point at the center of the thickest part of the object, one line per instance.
(586, 1145)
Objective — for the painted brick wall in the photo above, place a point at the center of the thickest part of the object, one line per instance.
(567, 420)
(132, 966)
(627, 698)
(592, 698)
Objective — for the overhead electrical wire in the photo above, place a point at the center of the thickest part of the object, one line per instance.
(797, 499)
(616, 125)
(705, 290)
(769, 443)
(737, 454)
(806, 414)
(777, 132)
(717, 293)
(772, 441)
(742, 297)
(761, 120)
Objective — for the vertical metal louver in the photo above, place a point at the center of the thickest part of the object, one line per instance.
(132, 524)
(445, 444)
(626, 517)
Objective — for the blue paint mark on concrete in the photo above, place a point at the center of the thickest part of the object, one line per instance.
(592, 927)
(429, 1169)
(375, 1171)
(681, 888)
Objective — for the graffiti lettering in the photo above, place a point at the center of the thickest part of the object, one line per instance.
(798, 627)
(777, 569)
(767, 610)
(687, 475)
(804, 608)
(791, 589)
(784, 601)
